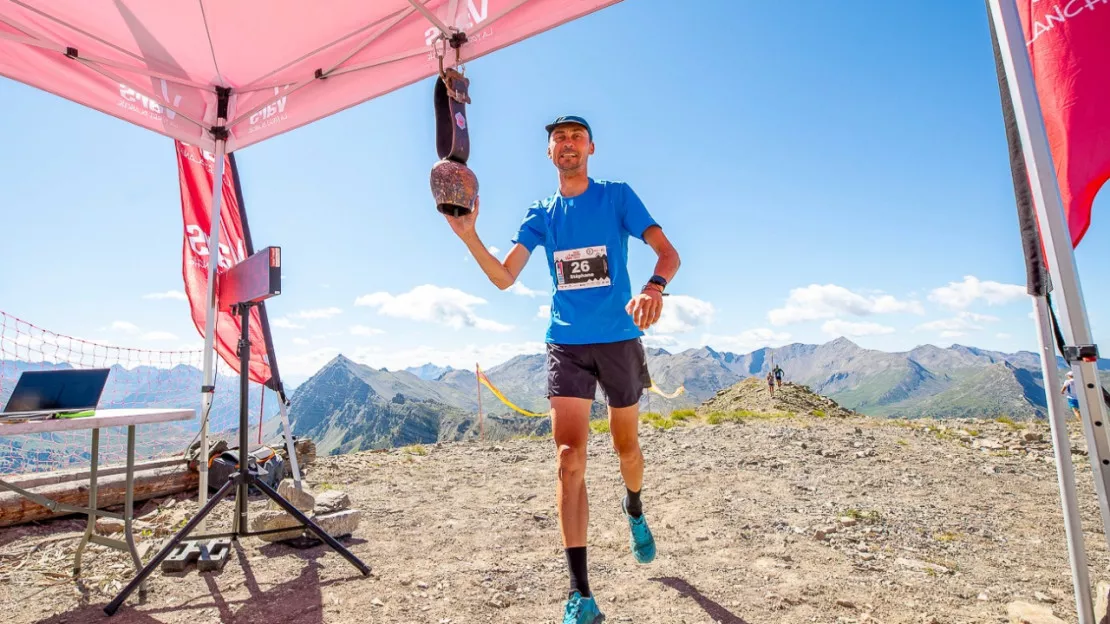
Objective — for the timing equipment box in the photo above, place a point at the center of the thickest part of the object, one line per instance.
(253, 280)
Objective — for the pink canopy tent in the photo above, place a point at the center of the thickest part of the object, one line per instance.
(286, 63)
(225, 74)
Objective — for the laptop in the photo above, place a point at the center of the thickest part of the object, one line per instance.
(50, 392)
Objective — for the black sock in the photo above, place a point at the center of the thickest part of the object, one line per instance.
(576, 561)
(632, 503)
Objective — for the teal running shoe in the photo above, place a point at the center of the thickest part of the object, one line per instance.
(582, 610)
(643, 544)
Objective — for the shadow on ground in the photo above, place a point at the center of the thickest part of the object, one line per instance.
(297, 601)
(713, 609)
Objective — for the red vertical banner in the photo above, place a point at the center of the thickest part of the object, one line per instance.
(1069, 46)
(196, 170)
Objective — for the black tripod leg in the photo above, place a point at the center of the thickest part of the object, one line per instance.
(303, 519)
(165, 552)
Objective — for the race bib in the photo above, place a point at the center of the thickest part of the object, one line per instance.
(587, 267)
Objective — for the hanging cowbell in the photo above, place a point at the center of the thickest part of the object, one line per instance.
(454, 185)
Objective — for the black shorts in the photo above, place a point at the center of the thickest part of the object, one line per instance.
(620, 368)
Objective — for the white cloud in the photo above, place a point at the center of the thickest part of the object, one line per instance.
(124, 326)
(959, 295)
(958, 325)
(362, 330)
(544, 312)
(747, 341)
(660, 342)
(158, 335)
(837, 327)
(1003, 335)
(823, 301)
(169, 294)
(285, 323)
(433, 304)
(300, 341)
(683, 313)
(318, 313)
(520, 289)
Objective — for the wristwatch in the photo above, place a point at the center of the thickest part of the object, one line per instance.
(658, 280)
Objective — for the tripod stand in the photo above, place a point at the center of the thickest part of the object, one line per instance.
(242, 479)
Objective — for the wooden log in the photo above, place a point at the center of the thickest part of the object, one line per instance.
(155, 481)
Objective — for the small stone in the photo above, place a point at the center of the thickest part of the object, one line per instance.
(377, 602)
(847, 604)
(332, 501)
(983, 597)
(270, 519)
(1102, 598)
(1021, 612)
(1043, 597)
(499, 601)
(1033, 436)
(339, 523)
(303, 500)
(108, 526)
(819, 535)
(422, 585)
(848, 521)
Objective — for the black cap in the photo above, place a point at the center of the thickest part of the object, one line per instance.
(570, 119)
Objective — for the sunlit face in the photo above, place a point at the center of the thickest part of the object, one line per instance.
(569, 147)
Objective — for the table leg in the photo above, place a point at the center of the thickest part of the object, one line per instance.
(91, 524)
(129, 505)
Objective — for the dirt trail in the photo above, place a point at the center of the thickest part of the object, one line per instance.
(765, 520)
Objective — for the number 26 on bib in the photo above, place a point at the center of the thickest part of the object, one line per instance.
(587, 267)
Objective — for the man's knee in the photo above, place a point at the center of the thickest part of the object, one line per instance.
(572, 461)
(627, 447)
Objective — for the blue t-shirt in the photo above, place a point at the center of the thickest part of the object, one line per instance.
(586, 242)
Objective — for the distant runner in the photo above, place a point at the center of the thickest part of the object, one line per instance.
(1069, 391)
(594, 332)
(778, 375)
(771, 383)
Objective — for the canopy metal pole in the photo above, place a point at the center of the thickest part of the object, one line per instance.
(210, 317)
(1056, 240)
(1079, 349)
(1065, 470)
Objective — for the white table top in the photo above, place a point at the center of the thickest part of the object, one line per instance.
(102, 418)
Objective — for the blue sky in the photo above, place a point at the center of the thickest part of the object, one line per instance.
(823, 168)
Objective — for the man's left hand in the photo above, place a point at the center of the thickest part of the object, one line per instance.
(646, 307)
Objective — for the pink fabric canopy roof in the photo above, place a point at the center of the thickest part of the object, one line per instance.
(159, 63)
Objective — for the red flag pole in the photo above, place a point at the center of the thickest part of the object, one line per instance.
(478, 382)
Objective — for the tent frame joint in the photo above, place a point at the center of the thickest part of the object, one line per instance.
(320, 75)
(208, 389)
(71, 52)
(223, 94)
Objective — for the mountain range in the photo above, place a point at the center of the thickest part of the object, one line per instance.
(346, 405)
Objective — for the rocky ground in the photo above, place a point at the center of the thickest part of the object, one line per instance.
(759, 519)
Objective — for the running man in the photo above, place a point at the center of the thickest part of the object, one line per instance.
(1069, 391)
(594, 331)
(778, 375)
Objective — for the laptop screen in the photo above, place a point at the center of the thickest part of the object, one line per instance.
(73, 389)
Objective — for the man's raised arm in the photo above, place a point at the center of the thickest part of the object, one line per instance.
(502, 274)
